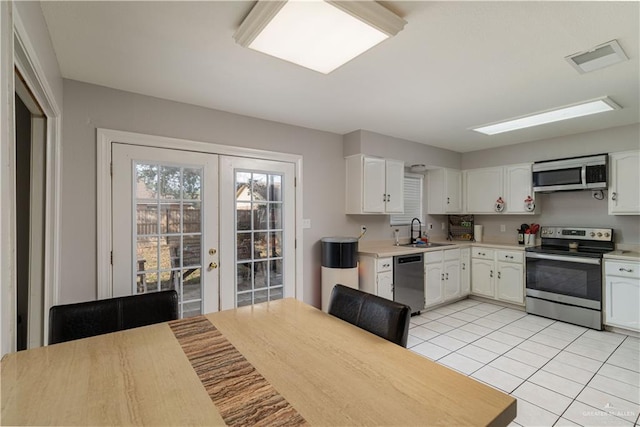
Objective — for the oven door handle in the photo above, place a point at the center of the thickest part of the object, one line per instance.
(579, 260)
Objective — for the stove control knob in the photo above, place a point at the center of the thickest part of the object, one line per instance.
(599, 234)
(606, 234)
(592, 234)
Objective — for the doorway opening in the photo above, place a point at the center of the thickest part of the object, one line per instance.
(30, 161)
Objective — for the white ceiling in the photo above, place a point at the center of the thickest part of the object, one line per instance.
(455, 65)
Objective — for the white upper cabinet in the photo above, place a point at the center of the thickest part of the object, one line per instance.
(484, 188)
(374, 185)
(624, 191)
(394, 184)
(444, 191)
(518, 189)
(502, 189)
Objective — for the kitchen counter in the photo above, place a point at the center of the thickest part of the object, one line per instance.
(387, 248)
(623, 255)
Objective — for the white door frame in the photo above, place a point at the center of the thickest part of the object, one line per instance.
(17, 51)
(105, 137)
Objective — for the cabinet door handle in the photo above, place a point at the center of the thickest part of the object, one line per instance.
(626, 270)
(614, 196)
(498, 274)
(442, 276)
(491, 273)
(448, 200)
(463, 266)
(447, 276)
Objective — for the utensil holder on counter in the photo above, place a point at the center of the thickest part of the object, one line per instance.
(529, 239)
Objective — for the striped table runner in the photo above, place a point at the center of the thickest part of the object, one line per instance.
(241, 394)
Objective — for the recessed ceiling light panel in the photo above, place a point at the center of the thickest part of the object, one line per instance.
(599, 57)
(586, 108)
(316, 34)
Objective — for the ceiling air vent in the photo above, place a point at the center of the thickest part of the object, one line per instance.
(599, 57)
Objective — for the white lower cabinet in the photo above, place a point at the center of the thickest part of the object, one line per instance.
(465, 271)
(498, 274)
(482, 279)
(376, 276)
(510, 286)
(441, 276)
(622, 294)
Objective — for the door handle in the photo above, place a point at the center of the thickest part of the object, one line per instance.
(212, 266)
(491, 273)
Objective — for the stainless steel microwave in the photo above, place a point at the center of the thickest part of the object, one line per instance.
(576, 173)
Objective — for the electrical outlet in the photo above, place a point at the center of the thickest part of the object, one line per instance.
(442, 225)
(363, 229)
(503, 228)
(429, 226)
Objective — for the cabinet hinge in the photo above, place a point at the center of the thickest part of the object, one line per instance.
(111, 258)
(295, 181)
(111, 169)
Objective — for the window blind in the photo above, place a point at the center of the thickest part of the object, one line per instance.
(413, 185)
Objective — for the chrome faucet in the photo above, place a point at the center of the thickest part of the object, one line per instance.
(419, 229)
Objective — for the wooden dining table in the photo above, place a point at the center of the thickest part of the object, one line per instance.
(276, 363)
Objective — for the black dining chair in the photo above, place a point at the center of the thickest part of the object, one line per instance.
(86, 319)
(385, 318)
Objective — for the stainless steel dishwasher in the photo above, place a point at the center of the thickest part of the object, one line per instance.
(408, 281)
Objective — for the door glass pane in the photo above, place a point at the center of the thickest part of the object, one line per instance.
(258, 228)
(192, 222)
(168, 232)
(146, 181)
(170, 218)
(170, 182)
(260, 216)
(192, 184)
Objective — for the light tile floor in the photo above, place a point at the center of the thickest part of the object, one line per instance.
(561, 374)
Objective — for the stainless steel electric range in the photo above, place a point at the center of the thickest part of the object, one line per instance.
(564, 274)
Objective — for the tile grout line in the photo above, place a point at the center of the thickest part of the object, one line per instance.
(564, 348)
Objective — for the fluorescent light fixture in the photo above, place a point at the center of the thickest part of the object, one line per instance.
(586, 108)
(320, 35)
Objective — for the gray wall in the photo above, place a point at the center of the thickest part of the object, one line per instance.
(87, 107)
(566, 208)
(32, 18)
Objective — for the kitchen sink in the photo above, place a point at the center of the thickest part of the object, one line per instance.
(426, 245)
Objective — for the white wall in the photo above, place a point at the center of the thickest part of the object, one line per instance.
(563, 208)
(87, 107)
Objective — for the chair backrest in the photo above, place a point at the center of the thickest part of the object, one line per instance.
(86, 319)
(385, 318)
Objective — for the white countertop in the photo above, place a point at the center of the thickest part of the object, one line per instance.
(623, 255)
(387, 248)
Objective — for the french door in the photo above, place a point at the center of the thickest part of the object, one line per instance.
(165, 225)
(220, 230)
(257, 214)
